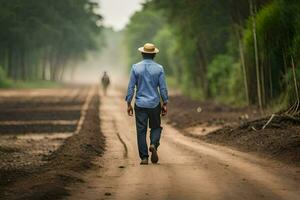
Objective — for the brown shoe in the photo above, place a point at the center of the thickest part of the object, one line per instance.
(154, 156)
(144, 161)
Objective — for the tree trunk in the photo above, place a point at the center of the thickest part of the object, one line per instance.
(295, 78)
(256, 56)
(270, 78)
(241, 50)
(44, 70)
(10, 63)
(73, 70)
(202, 66)
(23, 64)
(44, 65)
(62, 72)
(262, 78)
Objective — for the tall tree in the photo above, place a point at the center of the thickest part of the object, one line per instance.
(41, 36)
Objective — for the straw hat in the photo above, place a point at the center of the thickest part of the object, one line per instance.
(148, 48)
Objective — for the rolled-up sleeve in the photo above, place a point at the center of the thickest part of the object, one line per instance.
(131, 86)
(163, 87)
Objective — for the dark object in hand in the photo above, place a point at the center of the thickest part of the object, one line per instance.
(164, 110)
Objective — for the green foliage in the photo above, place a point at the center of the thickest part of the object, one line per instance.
(295, 9)
(203, 44)
(166, 42)
(149, 25)
(202, 30)
(44, 35)
(35, 84)
(143, 28)
(4, 80)
(225, 78)
(277, 36)
(218, 75)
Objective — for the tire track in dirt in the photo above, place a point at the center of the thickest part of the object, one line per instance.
(125, 154)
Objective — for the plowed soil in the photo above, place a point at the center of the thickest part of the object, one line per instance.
(47, 139)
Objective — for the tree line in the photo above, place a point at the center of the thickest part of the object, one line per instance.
(39, 39)
(241, 52)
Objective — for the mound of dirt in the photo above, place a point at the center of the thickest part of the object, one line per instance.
(185, 112)
(242, 128)
(64, 166)
(280, 139)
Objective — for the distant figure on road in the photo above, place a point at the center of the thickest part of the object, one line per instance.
(105, 81)
(147, 76)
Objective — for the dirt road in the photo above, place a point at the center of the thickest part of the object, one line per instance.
(188, 168)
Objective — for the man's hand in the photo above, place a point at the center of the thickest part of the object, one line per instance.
(129, 110)
(164, 110)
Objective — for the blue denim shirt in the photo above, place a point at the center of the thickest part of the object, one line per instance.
(147, 76)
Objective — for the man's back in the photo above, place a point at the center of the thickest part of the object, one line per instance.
(147, 76)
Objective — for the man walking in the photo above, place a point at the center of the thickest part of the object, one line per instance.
(147, 76)
(105, 81)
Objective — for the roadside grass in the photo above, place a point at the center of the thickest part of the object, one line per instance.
(36, 84)
(7, 83)
(197, 95)
(10, 84)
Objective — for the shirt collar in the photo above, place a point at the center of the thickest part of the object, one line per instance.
(147, 60)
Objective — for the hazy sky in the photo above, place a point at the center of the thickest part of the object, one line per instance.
(116, 13)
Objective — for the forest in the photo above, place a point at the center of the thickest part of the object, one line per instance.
(234, 52)
(40, 39)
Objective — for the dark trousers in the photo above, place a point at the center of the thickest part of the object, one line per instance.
(142, 117)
